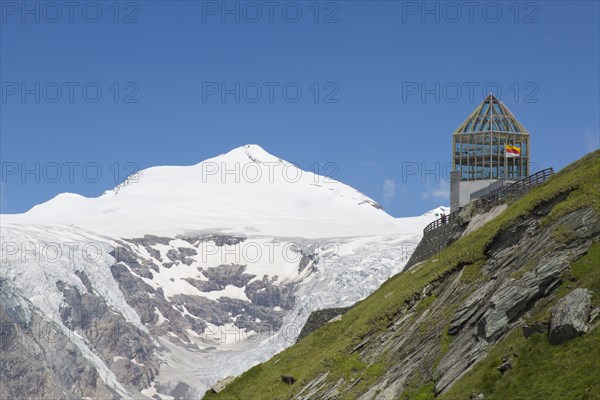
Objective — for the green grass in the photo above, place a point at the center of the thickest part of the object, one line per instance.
(445, 341)
(585, 272)
(540, 370)
(472, 272)
(328, 348)
(563, 234)
(425, 303)
(424, 392)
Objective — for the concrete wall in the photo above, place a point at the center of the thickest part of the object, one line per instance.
(460, 191)
(468, 187)
(454, 190)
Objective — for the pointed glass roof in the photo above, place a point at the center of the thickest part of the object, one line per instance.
(491, 116)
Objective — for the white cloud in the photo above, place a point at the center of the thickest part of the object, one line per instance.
(439, 191)
(592, 140)
(389, 190)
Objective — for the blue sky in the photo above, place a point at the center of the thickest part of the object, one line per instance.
(111, 87)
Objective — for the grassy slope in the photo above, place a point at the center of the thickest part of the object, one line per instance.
(327, 348)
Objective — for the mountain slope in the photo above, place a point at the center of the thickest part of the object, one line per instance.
(444, 327)
(166, 285)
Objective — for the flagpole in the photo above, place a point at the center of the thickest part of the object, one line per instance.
(505, 175)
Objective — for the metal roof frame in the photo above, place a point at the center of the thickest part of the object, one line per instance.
(491, 116)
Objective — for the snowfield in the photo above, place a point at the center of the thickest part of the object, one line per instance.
(218, 264)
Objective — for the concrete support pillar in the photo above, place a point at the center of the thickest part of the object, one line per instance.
(454, 190)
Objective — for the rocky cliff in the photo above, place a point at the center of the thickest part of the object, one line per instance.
(508, 310)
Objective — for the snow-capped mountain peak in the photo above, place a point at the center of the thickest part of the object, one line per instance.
(244, 190)
(253, 152)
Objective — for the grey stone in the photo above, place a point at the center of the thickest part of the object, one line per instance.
(594, 314)
(229, 274)
(464, 351)
(470, 307)
(515, 297)
(266, 294)
(148, 241)
(537, 327)
(505, 366)
(141, 267)
(222, 384)
(181, 391)
(570, 316)
(204, 286)
(218, 239)
(182, 254)
(85, 280)
(290, 380)
(306, 259)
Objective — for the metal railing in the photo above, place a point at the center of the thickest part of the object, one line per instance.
(438, 222)
(520, 186)
(500, 194)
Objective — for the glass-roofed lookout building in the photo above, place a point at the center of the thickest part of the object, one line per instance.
(489, 148)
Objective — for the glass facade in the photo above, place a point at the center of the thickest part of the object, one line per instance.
(479, 144)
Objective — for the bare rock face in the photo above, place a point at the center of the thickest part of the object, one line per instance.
(127, 351)
(570, 316)
(37, 359)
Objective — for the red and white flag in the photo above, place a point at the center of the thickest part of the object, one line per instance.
(512, 151)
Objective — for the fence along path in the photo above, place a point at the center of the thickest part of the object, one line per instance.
(517, 188)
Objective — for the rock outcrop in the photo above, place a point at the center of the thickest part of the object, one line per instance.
(570, 316)
(37, 356)
(222, 384)
(319, 318)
